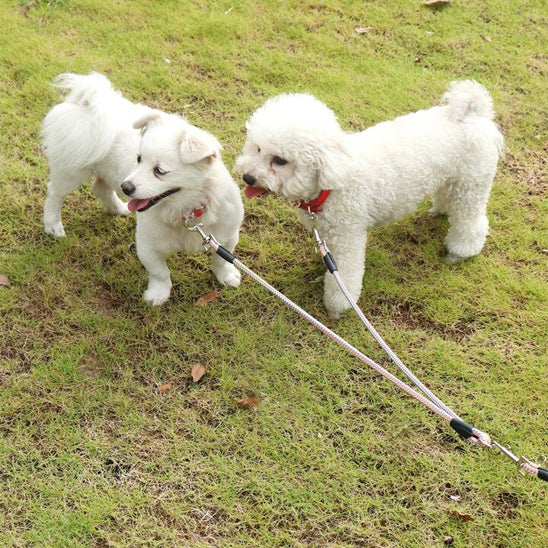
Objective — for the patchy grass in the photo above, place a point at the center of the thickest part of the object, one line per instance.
(92, 456)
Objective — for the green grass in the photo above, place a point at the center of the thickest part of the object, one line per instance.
(92, 456)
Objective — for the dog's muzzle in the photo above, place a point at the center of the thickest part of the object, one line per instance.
(252, 191)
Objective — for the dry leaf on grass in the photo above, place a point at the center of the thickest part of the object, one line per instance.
(435, 2)
(207, 298)
(4, 280)
(164, 388)
(460, 515)
(198, 371)
(249, 402)
(363, 30)
(486, 38)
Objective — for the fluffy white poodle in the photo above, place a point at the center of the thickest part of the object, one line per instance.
(354, 181)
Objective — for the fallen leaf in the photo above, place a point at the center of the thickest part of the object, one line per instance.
(198, 371)
(4, 280)
(249, 402)
(447, 539)
(207, 298)
(164, 387)
(460, 515)
(456, 498)
(363, 30)
(435, 2)
(486, 38)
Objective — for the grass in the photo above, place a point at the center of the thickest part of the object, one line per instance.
(91, 455)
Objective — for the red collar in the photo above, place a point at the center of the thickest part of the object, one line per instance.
(198, 212)
(315, 205)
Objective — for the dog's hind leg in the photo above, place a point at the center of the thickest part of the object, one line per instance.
(110, 200)
(467, 215)
(60, 186)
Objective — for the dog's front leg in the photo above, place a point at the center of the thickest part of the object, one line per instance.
(159, 283)
(226, 273)
(348, 250)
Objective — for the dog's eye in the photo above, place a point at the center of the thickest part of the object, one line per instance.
(158, 171)
(138, 158)
(259, 150)
(279, 161)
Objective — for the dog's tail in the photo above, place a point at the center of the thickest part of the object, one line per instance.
(468, 101)
(85, 90)
(80, 131)
(466, 98)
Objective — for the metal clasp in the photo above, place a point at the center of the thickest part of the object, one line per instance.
(498, 449)
(318, 241)
(522, 463)
(199, 227)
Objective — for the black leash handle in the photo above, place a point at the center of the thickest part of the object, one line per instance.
(468, 432)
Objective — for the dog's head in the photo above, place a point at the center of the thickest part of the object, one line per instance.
(173, 155)
(294, 148)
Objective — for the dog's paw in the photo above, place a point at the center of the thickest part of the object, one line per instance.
(55, 229)
(336, 306)
(229, 276)
(123, 212)
(156, 296)
(119, 208)
(451, 258)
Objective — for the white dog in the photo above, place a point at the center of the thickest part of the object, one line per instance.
(171, 169)
(296, 148)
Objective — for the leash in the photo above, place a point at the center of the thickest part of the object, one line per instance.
(427, 398)
(468, 432)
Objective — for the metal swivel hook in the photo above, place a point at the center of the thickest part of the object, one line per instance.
(199, 227)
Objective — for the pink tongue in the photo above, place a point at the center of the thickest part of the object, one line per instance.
(137, 205)
(254, 192)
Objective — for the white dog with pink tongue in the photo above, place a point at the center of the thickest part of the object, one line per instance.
(296, 148)
(176, 175)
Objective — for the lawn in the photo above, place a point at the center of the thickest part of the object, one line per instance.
(106, 440)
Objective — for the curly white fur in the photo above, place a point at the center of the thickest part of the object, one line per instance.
(296, 148)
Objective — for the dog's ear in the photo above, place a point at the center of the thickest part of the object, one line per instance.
(198, 145)
(333, 161)
(148, 119)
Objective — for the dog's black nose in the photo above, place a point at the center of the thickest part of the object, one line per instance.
(128, 188)
(249, 179)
